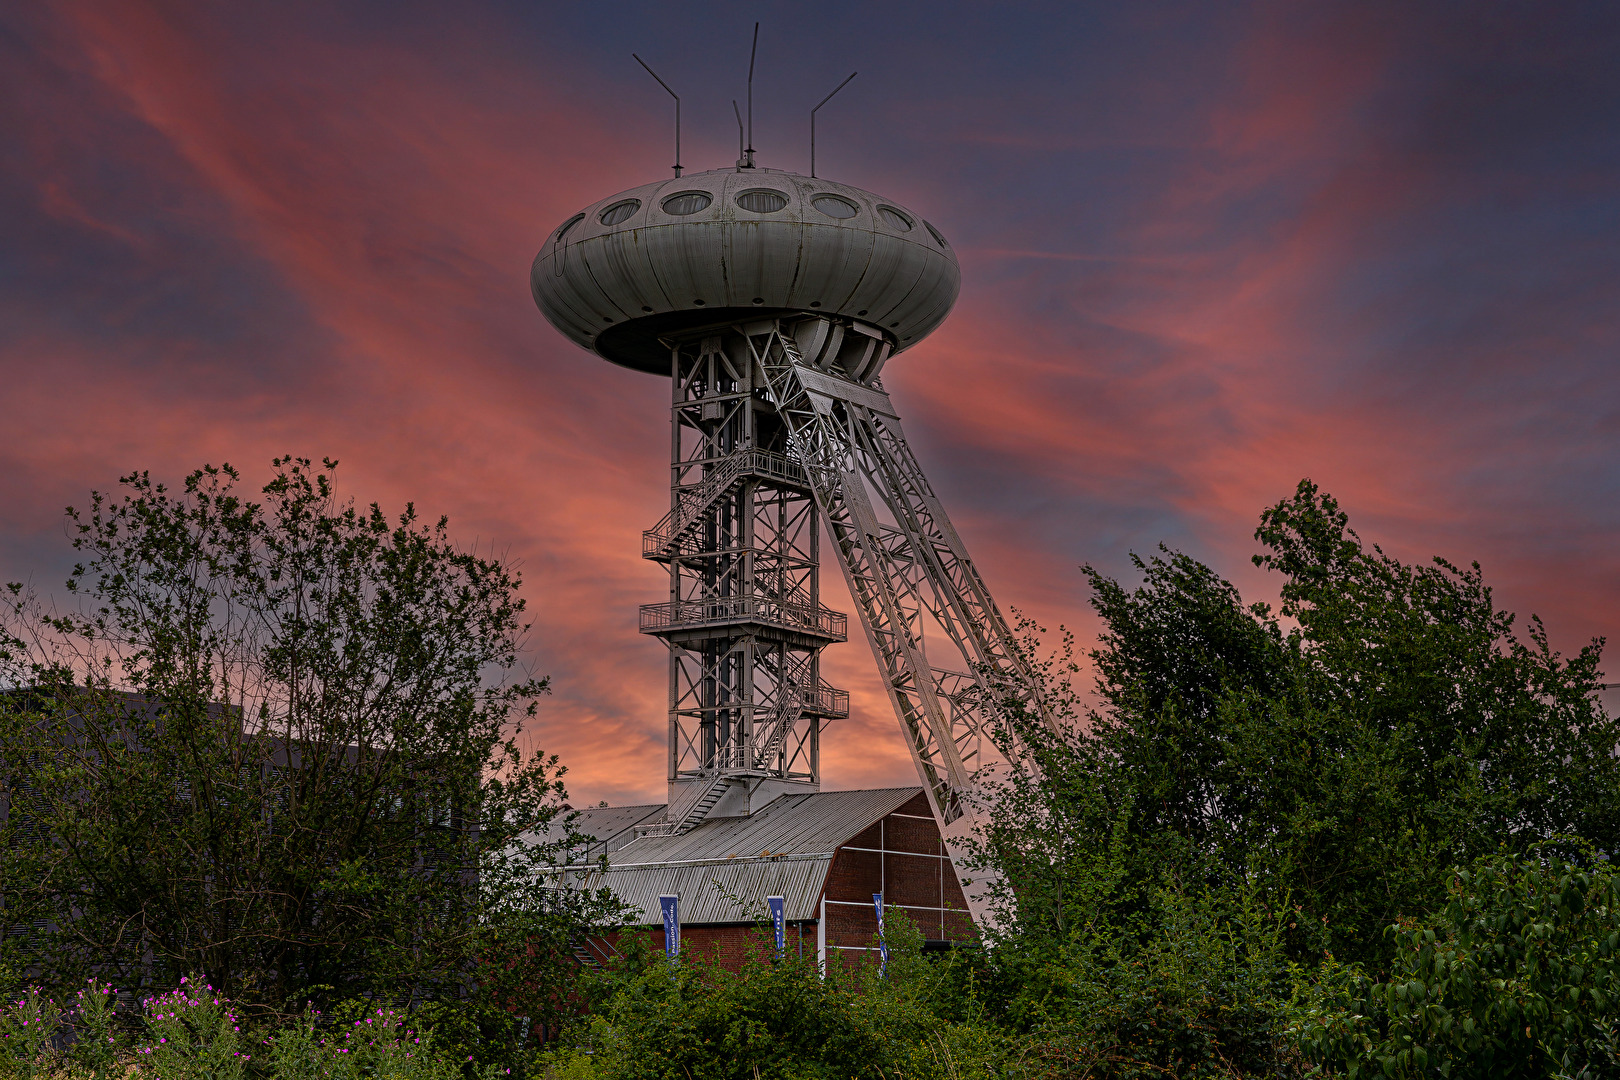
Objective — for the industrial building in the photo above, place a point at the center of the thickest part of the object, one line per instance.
(825, 853)
(773, 302)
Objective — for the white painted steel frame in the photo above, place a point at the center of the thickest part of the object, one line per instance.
(743, 621)
(847, 436)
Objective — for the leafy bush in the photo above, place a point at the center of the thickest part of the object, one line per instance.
(98, 1043)
(1518, 976)
(696, 1020)
(379, 1046)
(1400, 727)
(275, 740)
(28, 1027)
(1190, 986)
(1248, 794)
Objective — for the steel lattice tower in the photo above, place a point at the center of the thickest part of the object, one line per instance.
(744, 622)
(772, 301)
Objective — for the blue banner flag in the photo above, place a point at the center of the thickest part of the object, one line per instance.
(779, 922)
(671, 906)
(883, 944)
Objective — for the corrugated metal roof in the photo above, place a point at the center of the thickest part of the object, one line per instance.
(607, 827)
(724, 893)
(791, 824)
(725, 868)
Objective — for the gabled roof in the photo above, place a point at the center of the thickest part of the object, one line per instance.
(724, 868)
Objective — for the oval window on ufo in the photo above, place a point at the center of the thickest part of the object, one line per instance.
(895, 218)
(940, 240)
(762, 202)
(833, 206)
(619, 211)
(687, 202)
(562, 230)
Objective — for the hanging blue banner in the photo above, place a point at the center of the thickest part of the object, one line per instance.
(883, 945)
(779, 922)
(671, 907)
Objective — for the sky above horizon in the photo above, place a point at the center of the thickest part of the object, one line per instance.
(1207, 250)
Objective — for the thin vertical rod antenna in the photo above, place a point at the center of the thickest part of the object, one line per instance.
(751, 54)
(677, 98)
(738, 114)
(824, 101)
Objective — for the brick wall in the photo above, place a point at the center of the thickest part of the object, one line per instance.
(731, 943)
(903, 857)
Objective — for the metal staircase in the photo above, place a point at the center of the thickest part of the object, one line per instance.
(699, 810)
(584, 956)
(663, 540)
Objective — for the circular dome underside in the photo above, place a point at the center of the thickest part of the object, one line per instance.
(617, 288)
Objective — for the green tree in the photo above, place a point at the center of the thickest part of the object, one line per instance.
(1519, 975)
(275, 741)
(1298, 779)
(1426, 734)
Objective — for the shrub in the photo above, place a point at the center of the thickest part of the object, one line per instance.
(1518, 976)
(27, 1028)
(380, 1045)
(772, 1018)
(192, 1033)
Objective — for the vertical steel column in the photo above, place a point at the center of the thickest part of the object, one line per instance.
(743, 622)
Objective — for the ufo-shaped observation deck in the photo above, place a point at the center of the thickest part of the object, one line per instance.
(715, 247)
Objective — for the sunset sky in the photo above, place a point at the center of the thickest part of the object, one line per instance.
(1207, 250)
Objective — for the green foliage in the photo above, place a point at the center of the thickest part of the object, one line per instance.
(1399, 728)
(696, 1020)
(1189, 985)
(277, 742)
(378, 1044)
(700, 1019)
(99, 1043)
(1256, 793)
(1426, 734)
(1519, 975)
(27, 1027)
(192, 1034)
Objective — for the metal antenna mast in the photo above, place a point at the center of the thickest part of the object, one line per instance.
(817, 109)
(753, 52)
(677, 98)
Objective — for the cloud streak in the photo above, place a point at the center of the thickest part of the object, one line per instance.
(1204, 256)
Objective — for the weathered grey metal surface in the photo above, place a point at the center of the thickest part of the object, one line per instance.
(614, 288)
(607, 828)
(728, 893)
(792, 824)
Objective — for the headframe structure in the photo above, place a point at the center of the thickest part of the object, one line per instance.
(773, 301)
